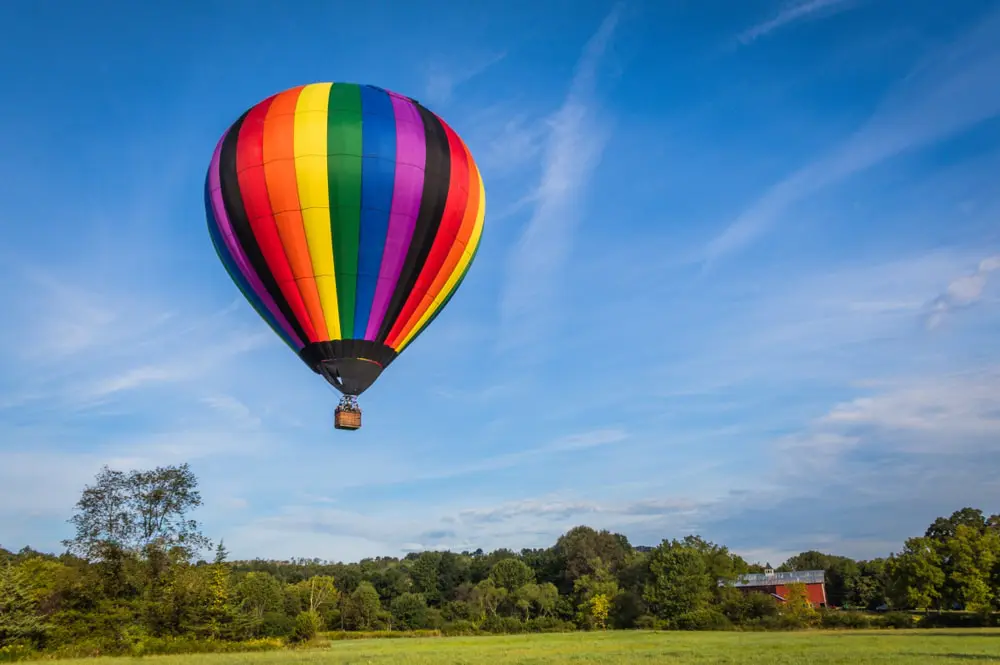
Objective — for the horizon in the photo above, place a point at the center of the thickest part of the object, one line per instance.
(738, 277)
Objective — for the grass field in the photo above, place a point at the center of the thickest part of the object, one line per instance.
(847, 647)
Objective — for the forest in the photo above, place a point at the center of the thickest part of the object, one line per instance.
(138, 576)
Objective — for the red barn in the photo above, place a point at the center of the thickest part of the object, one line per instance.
(777, 584)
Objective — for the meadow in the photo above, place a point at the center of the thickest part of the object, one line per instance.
(621, 647)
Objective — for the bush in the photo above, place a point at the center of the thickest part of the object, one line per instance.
(549, 625)
(957, 620)
(835, 619)
(460, 627)
(707, 619)
(13, 653)
(502, 625)
(307, 626)
(276, 624)
(894, 620)
(648, 622)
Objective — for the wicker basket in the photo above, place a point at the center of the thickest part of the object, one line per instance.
(343, 419)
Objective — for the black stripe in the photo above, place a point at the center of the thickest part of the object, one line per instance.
(233, 201)
(437, 179)
(315, 353)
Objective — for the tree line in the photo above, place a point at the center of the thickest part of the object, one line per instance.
(132, 580)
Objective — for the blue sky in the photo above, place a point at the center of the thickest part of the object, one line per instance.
(739, 275)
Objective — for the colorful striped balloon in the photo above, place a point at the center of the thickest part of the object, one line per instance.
(348, 216)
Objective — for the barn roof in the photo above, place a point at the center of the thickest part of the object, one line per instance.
(771, 578)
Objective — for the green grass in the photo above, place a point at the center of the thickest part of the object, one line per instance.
(801, 648)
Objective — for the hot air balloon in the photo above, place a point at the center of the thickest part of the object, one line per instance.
(348, 216)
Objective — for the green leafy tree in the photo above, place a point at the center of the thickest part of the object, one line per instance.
(678, 580)
(797, 608)
(972, 554)
(365, 606)
(317, 593)
(511, 574)
(425, 573)
(600, 582)
(582, 545)
(129, 512)
(915, 575)
(19, 620)
(257, 593)
(409, 611)
(488, 597)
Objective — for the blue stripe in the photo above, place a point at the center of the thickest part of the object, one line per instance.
(378, 176)
(236, 275)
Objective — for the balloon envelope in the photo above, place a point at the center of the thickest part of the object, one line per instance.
(347, 215)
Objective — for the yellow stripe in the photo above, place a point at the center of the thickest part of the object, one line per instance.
(477, 232)
(314, 197)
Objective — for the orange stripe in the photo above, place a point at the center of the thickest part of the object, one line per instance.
(283, 191)
(454, 253)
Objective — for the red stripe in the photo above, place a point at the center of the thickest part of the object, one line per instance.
(253, 188)
(451, 222)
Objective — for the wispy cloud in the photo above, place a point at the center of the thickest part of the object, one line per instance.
(442, 81)
(575, 143)
(962, 292)
(92, 345)
(798, 11)
(949, 91)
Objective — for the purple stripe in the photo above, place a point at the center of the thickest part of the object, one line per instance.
(239, 257)
(411, 155)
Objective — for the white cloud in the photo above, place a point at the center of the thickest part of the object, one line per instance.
(962, 291)
(575, 144)
(442, 81)
(227, 404)
(947, 92)
(792, 13)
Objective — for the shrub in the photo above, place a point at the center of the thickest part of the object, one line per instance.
(706, 619)
(276, 624)
(835, 619)
(650, 622)
(460, 627)
(957, 620)
(13, 653)
(549, 625)
(307, 626)
(503, 625)
(894, 620)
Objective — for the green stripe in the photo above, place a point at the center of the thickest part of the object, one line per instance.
(344, 169)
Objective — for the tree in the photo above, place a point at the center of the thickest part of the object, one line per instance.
(18, 618)
(318, 592)
(943, 528)
(797, 608)
(425, 575)
(219, 610)
(971, 556)
(221, 554)
(678, 580)
(104, 519)
(132, 512)
(599, 583)
(511, 574)
(409, 611)
(488, 597)
(600, 606)
(259, 592)
(581, 545)
(365, 606)
(915, 575)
